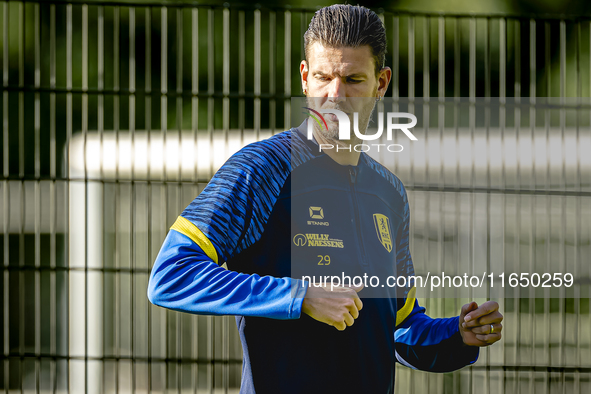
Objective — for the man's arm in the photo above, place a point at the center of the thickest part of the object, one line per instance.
(438, 345)
(444, 345)
(184, 278)
(428, 344)
(226, 218)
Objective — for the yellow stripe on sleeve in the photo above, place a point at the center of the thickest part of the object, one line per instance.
(187, 228)
(407, 308)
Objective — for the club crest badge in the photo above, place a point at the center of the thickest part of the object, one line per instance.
(382, 223)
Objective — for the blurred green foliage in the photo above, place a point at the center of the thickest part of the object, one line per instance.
(185, 65)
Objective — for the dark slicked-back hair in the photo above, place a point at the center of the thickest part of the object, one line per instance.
(348, 26)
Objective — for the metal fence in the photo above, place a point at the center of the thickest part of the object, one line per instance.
(99, 101)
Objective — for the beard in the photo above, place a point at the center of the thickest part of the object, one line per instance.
(364, 107)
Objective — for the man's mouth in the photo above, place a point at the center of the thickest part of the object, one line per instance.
(331, 117)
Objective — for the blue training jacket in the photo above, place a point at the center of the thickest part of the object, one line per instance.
(278, 210)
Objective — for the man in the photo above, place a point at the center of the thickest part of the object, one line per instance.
(247, 216)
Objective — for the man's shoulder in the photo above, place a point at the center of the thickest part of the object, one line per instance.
(385, 173)
(279, 142)
(272, 152)
(282, 150)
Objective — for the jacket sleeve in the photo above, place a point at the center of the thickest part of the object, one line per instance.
(429, 344)
(226, 217)
(422, 342)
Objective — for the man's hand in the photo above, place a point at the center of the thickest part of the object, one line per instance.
(476, 322)
(338, 308)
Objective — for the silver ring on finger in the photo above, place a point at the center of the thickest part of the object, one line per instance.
(492, 329)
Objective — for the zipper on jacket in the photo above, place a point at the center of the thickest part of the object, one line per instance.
(353, 180)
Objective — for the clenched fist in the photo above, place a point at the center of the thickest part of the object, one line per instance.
(338, 307)
(481, 325)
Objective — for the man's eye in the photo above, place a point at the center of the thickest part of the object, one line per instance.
(353, 80)
(322, 78)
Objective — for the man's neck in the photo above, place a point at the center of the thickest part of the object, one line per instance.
(342, 155)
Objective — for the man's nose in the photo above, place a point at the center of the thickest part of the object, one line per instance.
(336, 90)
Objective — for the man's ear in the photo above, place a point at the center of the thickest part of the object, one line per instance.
(384, 78)
(304, 74)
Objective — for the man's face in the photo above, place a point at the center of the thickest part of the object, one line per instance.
(342, 78)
